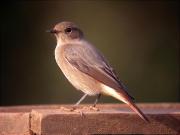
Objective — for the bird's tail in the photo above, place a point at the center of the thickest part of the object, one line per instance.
(126, 99)
(138, 111)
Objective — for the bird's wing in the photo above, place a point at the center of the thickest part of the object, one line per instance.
(90, 61)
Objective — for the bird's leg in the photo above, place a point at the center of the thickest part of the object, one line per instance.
(94, 105)
(97, 99)
(81, 99)
(74, 107)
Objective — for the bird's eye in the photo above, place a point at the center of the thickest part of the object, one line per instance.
(68, 30)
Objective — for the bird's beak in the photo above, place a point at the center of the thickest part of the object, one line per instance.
(53, 31)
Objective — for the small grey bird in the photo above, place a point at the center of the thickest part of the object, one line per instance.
(86, 68)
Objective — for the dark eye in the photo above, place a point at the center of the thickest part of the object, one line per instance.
(68, 30)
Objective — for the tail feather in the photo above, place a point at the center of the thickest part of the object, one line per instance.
(138, 111)
(125, 98)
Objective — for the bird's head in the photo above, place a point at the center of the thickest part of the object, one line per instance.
(66, 32)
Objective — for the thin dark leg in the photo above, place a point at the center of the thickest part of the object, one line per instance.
(81, 99)
(97, 99)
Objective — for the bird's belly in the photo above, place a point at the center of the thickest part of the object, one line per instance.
(78, 79)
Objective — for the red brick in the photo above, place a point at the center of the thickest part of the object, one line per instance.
(14, 123)
(111, 119)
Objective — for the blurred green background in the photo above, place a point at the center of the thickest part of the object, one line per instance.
(139, 38)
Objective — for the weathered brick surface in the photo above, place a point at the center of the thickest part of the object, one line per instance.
(111, 119)
(15, 120)
(14, 123)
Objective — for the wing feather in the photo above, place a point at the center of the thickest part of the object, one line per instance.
(91, 62)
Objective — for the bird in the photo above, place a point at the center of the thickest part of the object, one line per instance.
(86, 68)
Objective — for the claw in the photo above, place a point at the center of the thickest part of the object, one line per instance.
(67, 109)
(91, 108)
(73, 109)
(94, 108)
(80, 112)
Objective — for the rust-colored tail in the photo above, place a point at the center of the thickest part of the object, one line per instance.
(123, 96)
(138, 111)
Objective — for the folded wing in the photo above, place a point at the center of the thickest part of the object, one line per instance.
(91, 62)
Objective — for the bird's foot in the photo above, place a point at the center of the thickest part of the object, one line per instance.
(68, 109)
(94, 108)
(72, 109)
(91, 108)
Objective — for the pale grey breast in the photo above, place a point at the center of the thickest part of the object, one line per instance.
(78, 79)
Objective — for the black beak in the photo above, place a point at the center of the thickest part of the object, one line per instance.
(53, 31)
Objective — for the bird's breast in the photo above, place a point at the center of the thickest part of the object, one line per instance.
(78, 79)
